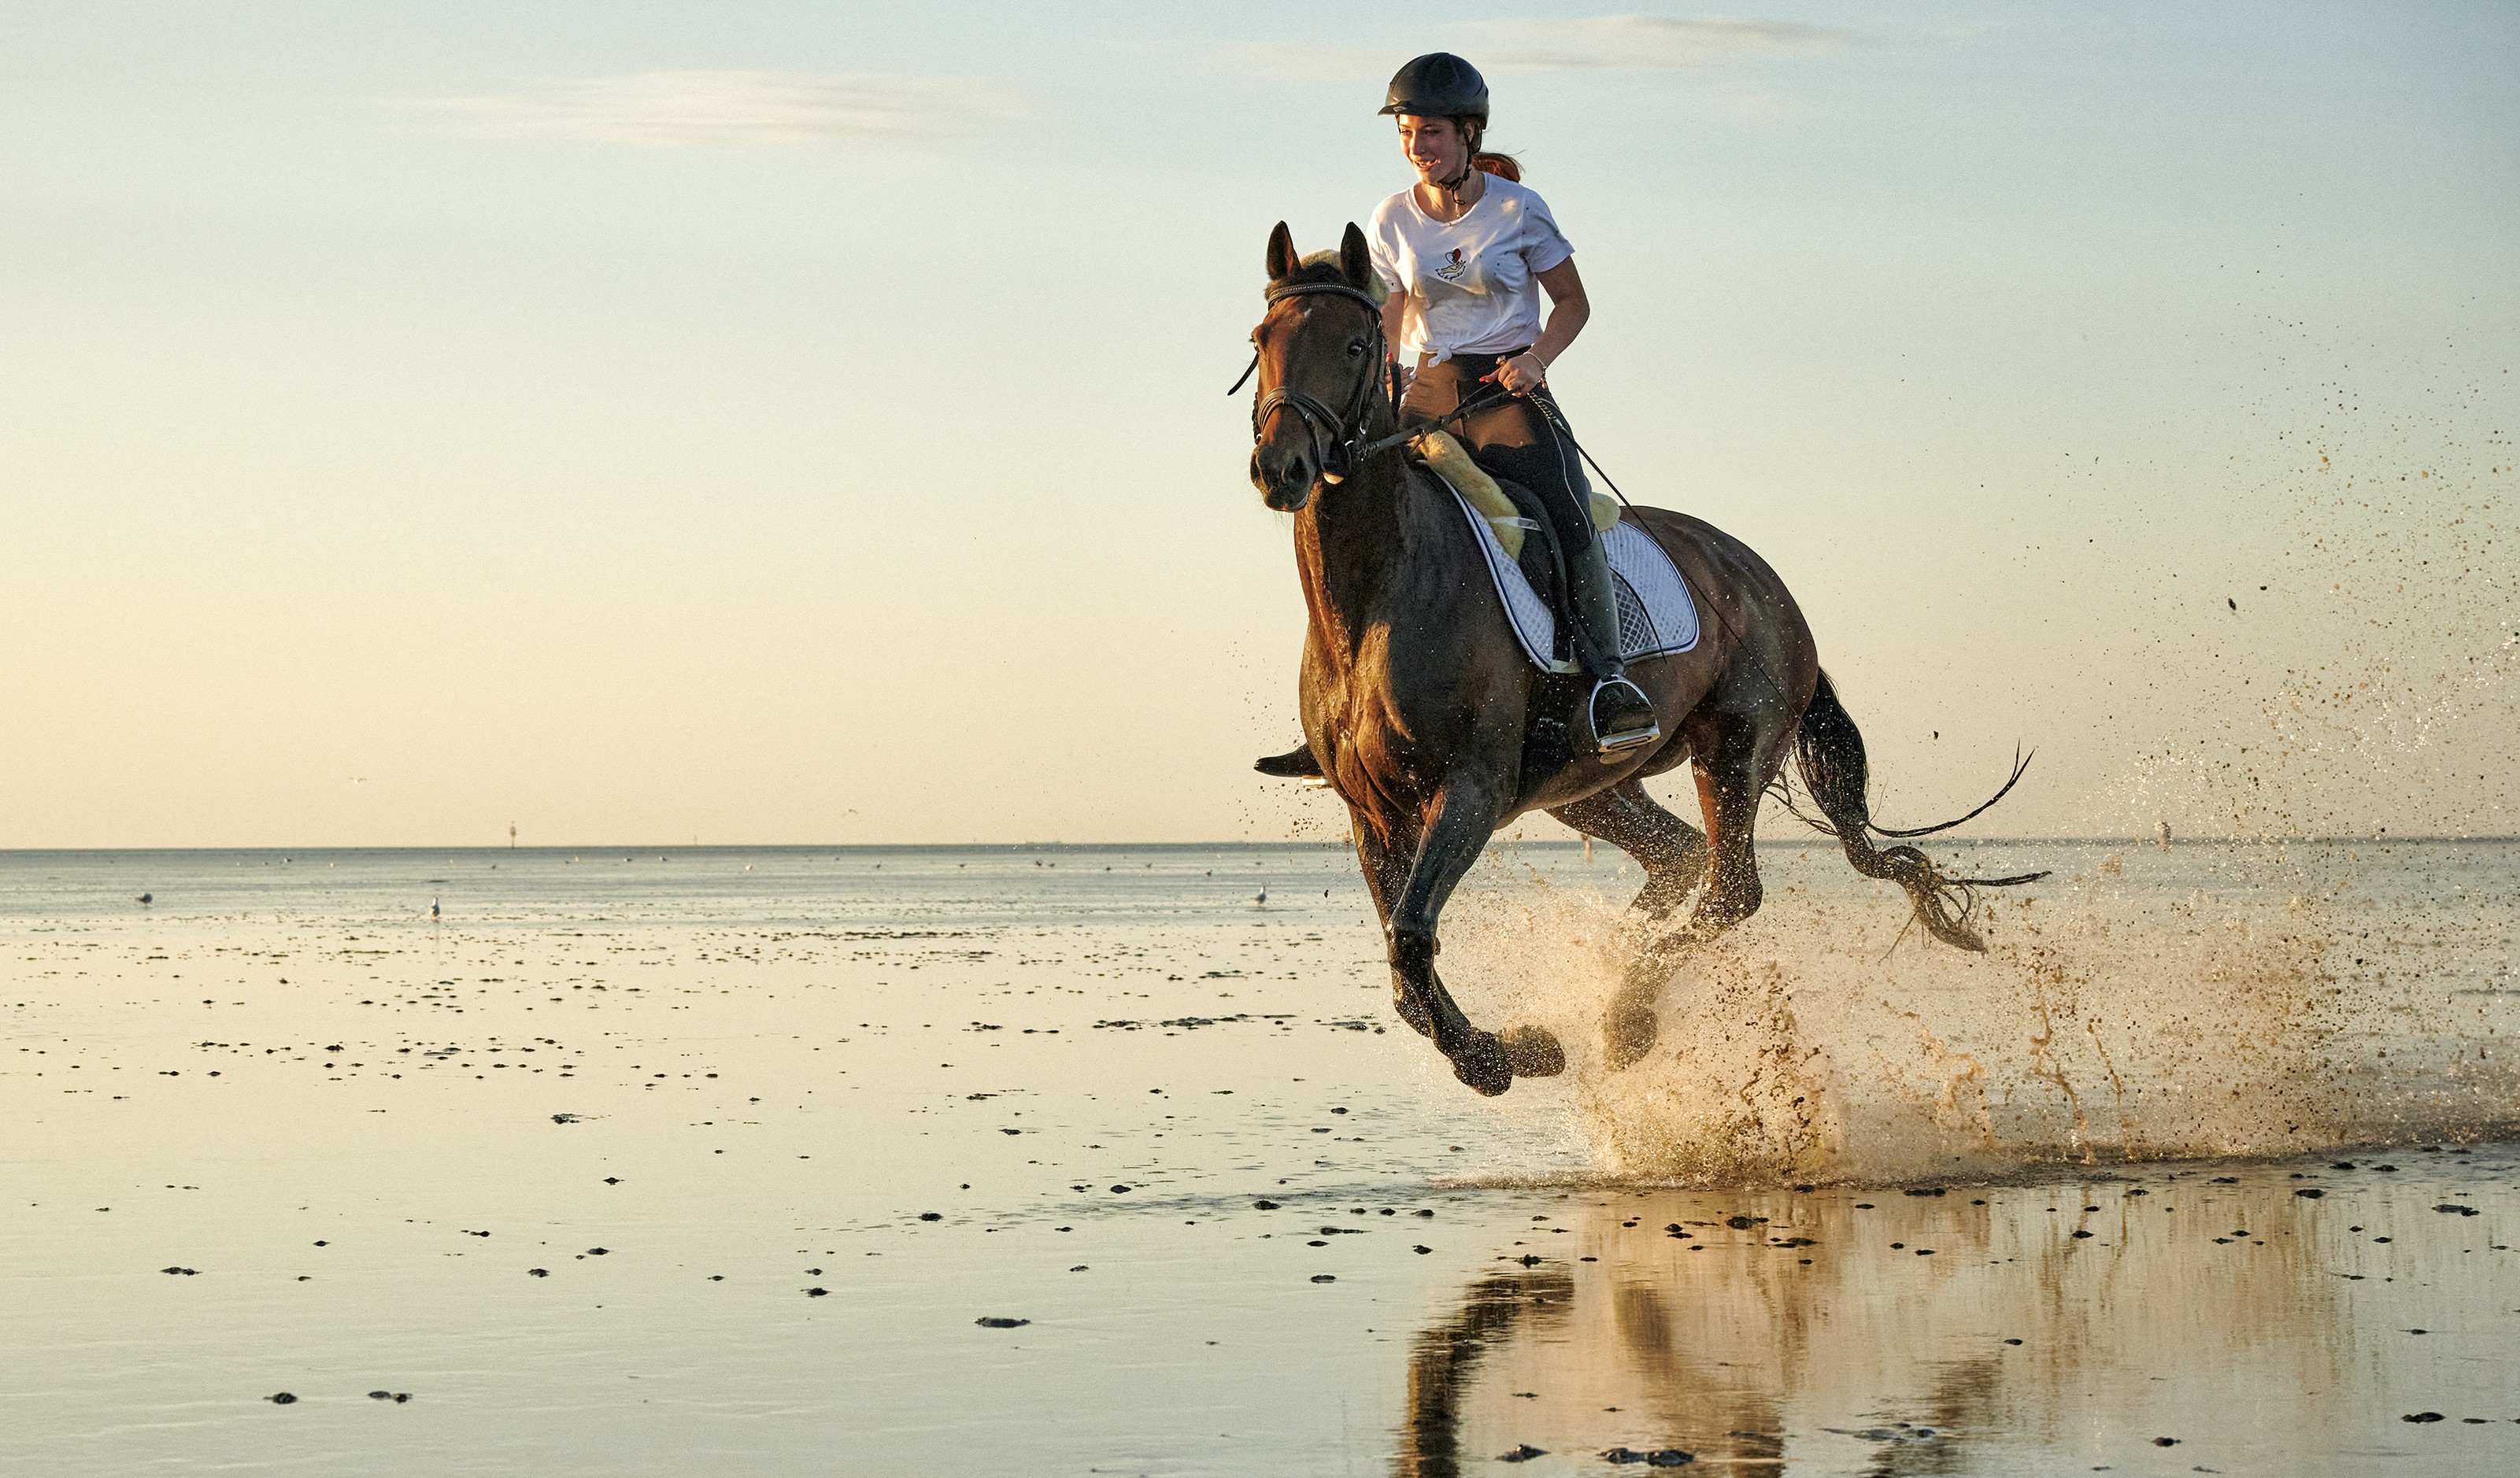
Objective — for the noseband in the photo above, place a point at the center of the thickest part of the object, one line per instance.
(1329, 430)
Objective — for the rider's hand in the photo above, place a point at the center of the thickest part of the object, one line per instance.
(1522, 373)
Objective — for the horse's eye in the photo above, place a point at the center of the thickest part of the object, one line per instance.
(1356, 350)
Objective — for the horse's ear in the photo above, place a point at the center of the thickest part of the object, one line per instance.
(1281, 254)
(1356, 264)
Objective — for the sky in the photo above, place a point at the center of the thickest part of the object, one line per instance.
(661, 422)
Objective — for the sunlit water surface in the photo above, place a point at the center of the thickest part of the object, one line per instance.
(712, 1161)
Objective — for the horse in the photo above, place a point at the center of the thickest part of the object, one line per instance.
(1420, 706)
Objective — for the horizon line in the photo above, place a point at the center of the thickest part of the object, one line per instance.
(1341, 845)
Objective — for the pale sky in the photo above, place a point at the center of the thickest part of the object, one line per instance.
(789, 422)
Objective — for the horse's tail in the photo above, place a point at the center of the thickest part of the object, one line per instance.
(1828, 751)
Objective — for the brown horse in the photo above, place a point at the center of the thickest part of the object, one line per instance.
(1422, 709)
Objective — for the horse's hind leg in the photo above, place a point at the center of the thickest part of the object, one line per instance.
(1734, 759)
(1673, 852)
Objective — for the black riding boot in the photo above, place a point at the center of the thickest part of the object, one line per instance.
(1295, 764)
(1621, 714)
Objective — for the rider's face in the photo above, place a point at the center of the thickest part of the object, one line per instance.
(1433, 146)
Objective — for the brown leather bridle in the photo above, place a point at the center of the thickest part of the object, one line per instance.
(1333, 435)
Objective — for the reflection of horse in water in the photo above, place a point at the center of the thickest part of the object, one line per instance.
(1426, 717)
(1763, 1331)
(1442, 1361)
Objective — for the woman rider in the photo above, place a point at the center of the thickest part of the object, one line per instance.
(1461, 252)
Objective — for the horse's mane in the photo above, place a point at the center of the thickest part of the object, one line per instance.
(1324, 267)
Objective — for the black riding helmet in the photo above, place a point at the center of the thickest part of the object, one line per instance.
(1439, 85)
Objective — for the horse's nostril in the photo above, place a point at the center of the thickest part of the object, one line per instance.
(1289, 467)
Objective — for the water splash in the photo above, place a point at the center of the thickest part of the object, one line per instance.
(2130, 1014)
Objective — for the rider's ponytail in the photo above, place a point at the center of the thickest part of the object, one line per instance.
(1502, 165)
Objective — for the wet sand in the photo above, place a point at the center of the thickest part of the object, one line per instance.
(719, 1161)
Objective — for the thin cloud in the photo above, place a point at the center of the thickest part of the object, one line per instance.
(673, 108)
(1549, 44)
(1300, 60)
(1641, 43)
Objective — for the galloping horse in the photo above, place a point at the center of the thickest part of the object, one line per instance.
(1418, 701)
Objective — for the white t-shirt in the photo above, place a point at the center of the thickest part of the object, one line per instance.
(1468, 281)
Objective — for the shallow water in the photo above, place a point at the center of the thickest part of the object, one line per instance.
(748, 1076)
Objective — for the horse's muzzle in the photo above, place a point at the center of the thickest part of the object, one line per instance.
(1285, 481)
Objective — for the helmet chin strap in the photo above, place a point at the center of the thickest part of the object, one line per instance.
(1470, 166)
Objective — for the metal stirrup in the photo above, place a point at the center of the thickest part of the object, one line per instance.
(1625, 739)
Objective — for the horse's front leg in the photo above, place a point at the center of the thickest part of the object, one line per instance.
(1456, 827)
(1386, 875)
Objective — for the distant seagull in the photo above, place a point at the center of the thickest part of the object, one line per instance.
(1261, 897)
(433, 911)
(148, 898)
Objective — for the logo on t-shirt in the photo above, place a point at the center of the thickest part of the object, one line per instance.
(1452, 268)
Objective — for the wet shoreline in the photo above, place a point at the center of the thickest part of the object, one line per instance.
(755, 1122)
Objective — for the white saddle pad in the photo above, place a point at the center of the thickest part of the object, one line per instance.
(1657, 615)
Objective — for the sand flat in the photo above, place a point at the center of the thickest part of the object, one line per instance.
(748, 1076)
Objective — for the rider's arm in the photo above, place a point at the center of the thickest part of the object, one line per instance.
(1568, 310)
(1394, 306)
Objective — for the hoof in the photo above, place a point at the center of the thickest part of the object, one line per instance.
(1628, 1035)
(1533, 1052)
(1483, 1064)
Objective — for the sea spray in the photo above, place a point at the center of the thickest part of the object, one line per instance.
(2112, 1019)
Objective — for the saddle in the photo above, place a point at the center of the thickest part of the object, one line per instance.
(1515, 512)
